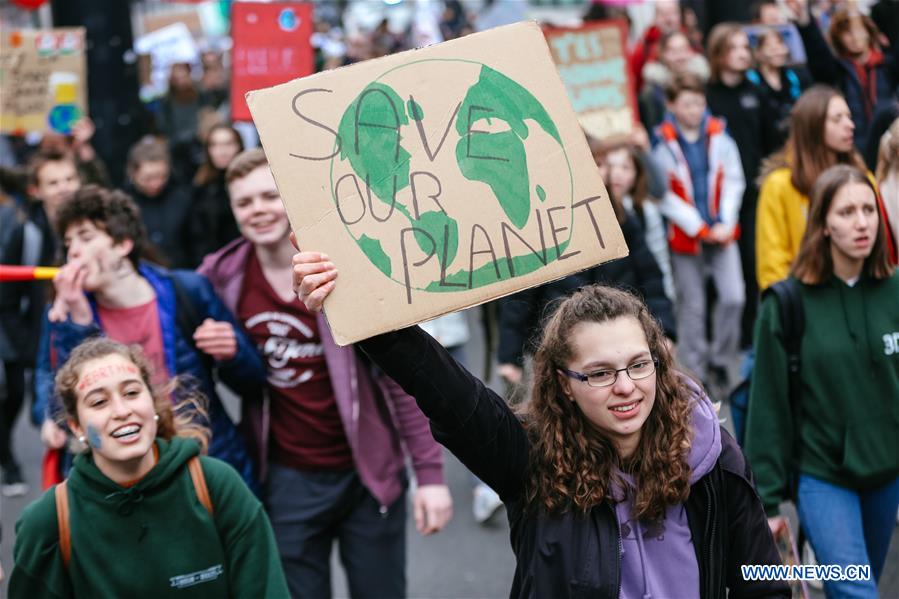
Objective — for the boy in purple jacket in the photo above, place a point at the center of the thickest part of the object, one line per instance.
(328, 434)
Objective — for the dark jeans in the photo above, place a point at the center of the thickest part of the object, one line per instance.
(10, 405)
(310, 510)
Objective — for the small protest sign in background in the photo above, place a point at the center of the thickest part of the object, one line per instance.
(43, 80)
(593, 64)
(437, 179)
(272, 44)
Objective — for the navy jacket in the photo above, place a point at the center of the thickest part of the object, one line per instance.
(244, 374)
(839, 72)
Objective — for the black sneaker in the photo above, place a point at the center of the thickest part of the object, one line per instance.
(12, 485)
(717, 384)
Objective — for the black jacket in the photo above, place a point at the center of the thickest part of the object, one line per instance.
(166, 218)
(520, 315)
(23, 303)
(212, 224)
(573, 555)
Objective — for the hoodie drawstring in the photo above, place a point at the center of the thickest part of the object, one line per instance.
(638, 534)
(125, 501)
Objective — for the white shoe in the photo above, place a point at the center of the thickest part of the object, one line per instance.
(485, 504)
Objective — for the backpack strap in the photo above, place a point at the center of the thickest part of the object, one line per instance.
(792, 319)
(62, 522)
(199, 480)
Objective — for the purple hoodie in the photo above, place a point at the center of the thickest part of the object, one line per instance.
(656, 558)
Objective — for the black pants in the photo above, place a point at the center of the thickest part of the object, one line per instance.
(310, 510)
(10, 405)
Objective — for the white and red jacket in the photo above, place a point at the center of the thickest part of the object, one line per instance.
(686, 227)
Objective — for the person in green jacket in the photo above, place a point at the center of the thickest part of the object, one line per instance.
(139, 524)
(848, 446)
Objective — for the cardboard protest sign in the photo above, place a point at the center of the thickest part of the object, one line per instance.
(43, 80)
(437, 179)
(272, 44)
(169, 45)
(593, 65)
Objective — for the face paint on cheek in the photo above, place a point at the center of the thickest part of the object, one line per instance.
(93, 437)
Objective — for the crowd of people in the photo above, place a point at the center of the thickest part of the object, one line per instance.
(748, 175)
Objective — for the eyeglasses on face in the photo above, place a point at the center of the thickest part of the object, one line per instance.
(606, 377)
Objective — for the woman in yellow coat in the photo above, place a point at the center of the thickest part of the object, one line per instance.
(821, 135)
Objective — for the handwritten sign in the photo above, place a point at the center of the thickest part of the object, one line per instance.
(272, 44)
(437, 179)
(43, 85)
(169, 45)
(593, 65)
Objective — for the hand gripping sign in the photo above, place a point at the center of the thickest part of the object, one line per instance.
(437, 179)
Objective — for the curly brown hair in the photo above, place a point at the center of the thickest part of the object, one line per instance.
(110, 210)
(185, 419)
(573, 465)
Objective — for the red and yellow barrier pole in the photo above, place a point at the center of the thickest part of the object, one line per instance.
(9, 273)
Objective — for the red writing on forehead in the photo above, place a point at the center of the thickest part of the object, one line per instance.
(96, 375)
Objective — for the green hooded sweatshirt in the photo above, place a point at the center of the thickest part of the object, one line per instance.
(154, 539)
(849, 425)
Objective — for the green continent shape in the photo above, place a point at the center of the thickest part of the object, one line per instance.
(495, 96)
(377, 160)
(372, 248)
(435, 223)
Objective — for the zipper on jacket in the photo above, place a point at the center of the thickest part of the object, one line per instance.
(620, 551)
(710, 526)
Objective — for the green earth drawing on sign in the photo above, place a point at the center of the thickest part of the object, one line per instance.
(415, 154)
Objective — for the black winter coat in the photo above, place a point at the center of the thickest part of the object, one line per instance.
(573, 555)
(166, 218)
(22, 303)
(520, 315)
(212, 224)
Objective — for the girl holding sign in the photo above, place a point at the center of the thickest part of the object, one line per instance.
(618, 479)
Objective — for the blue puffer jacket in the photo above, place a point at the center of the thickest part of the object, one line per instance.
(244, 374)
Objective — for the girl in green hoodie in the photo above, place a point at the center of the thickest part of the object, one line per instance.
(138, 524)
(848, 447)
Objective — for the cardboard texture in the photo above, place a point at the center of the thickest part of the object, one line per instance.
(437, 179)
(272, 44)
(592, 62)
(43, 80)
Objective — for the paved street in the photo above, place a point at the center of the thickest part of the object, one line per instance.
(464, 561)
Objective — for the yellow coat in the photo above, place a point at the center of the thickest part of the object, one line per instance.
(779, 227)
(781, 216)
